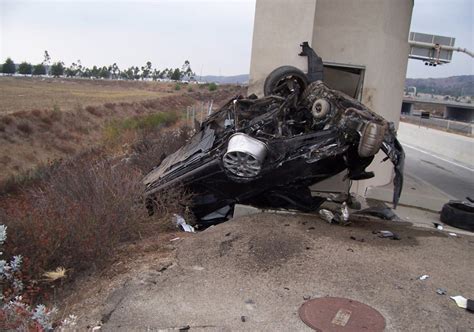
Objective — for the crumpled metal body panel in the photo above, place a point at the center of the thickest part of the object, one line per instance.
(301, 150)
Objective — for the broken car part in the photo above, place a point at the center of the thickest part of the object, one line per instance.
(181, 224)
(268, 151)
(459, 214)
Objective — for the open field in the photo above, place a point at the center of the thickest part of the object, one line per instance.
(25, 94)
(45, 120)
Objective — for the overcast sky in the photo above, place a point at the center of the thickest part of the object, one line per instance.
(215, 36)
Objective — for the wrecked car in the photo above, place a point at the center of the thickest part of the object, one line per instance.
(267, 151)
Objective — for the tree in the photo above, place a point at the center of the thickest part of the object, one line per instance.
(104, 72)
(95, 72)
(115, 71)
(25, 68)
(39, 69)
(9, 67)
(186, 70)
(155, 75)
(72, 71)
(128, 74)
(57, 69)
(46, 59)
(136, 73)
(176, 75)
(146, 70)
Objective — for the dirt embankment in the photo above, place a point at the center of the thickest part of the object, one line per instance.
(34, 136)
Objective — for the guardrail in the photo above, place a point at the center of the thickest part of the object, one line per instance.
(457, 127)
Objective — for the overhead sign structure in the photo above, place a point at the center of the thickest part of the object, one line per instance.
(432, 49)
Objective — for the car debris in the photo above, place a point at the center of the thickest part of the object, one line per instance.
(464, 303)
(387, 234)
(441, 291)
(459, 214)
(327, 215)
(267, 151)
(181, 223)
(438, 226)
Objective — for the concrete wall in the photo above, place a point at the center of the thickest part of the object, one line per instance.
(372, 34)
(450, 146)
(279, 28)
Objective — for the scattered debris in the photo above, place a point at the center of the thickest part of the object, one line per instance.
(185, 328)
(327, 215)
(181, 224)
(350, 249)
(453, 234)
(175, 239)
(459, 214)
(198, 268)
(267, 151)
(423, 277)
(441, 291)
(307, 297)
(438, 226)
(344, 212)
(387, 234)
(243, 319)
(461, 301)
(355, 239)
(57, 274)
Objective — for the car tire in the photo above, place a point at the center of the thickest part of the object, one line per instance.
(459, 215)
(280, 74)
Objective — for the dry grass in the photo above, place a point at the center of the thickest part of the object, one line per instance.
(25, 94)
(73, 213)
(65, 127)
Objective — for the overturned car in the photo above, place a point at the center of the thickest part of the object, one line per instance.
(267, 151)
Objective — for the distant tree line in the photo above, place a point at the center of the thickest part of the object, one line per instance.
(76, 69)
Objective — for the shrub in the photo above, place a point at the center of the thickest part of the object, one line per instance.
(177, 86)
(93, 110)
(73, 213)
(16, 312)
(212, 86)
(76, 217)
(110, 106)
(190, 89)
(25, 128)
(7, 120)
(153, 121)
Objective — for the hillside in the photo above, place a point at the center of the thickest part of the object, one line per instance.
(237, 79)
(454, 85)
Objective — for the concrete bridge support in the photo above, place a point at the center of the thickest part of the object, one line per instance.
(368, 38)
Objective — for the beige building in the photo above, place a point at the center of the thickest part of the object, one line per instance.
(364, 46)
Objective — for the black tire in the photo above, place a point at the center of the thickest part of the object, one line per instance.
(458, 215)
(278, 78)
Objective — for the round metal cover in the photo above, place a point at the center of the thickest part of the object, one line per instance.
(335, 314)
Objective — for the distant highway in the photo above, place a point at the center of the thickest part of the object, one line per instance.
(454, 179)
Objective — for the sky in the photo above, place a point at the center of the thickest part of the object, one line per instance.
(215, 36)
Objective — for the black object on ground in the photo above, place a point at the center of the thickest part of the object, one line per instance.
(459, 214)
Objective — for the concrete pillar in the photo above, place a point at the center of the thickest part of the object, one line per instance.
(279, 27)
(369, 34)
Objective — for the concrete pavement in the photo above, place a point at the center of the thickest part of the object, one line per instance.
(263, 267)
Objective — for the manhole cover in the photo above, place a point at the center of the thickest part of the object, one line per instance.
(334, 314)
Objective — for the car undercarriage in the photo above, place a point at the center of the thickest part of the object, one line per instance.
(268, 151)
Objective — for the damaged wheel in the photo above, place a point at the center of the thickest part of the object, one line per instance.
(284, 80)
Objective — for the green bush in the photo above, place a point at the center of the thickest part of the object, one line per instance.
(148, 122)
(212, 86)
(177, 86)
